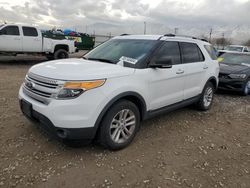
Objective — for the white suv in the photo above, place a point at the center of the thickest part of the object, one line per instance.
(128, 79)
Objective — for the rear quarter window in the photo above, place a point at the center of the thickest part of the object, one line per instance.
(211, 51)
(191, 53)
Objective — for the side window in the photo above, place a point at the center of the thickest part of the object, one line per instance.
(211, 51)
(191, 53)
(168, 51)
(30, 32)
(10, 30)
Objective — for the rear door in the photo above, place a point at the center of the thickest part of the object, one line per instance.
(194, 63)
(32, 39)
(166, 84)
(10, 39)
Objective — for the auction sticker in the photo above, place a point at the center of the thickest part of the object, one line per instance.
(128, 60)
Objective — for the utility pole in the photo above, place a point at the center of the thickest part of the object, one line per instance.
(210, 35)
(223, 40)
(86, 28)
(176, 30)
(145, 28)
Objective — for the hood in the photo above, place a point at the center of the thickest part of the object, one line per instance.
(233, 69)
(79, 69)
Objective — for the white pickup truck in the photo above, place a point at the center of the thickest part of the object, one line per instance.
(22, 39)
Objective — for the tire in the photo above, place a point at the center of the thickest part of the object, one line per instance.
(246, 88)
(114, 132)
(61, 54)
(206, 99)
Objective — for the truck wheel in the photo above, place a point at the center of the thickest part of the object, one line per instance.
(61, 54)
(119, 125)
(206, 98)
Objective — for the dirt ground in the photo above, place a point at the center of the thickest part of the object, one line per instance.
(185, 148)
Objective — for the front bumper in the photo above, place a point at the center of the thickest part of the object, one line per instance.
(231, 84)
(67, 119)
(62, 133)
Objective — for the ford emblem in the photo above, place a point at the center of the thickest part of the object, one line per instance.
(30, 85)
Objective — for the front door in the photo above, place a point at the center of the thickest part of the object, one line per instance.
(166, 84)
(10, 39)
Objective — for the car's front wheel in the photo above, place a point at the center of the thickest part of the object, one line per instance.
(207, 97)
(119, 125)
(246, 89)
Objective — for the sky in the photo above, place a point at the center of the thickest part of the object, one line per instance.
(191, 17)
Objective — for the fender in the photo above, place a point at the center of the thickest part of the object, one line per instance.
(214, 80)
(115, 99)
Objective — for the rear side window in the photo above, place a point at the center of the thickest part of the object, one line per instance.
(211, 51)
(30, 32)
(191, 53)
(168, 51)
(10, 30)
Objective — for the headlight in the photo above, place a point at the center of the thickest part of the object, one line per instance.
(238, 76)
(69, 93)
(75, 88)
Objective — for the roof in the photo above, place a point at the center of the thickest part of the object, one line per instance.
(140, 37)
(163, 37)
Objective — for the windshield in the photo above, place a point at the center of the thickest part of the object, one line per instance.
(234, 48)
(1, 26)
(113, 50)
(235, 58)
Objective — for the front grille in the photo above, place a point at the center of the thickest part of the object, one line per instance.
(40, 88)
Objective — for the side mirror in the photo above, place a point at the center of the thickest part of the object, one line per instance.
(164, 63)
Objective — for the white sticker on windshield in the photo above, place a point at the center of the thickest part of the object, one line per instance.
(128, 60)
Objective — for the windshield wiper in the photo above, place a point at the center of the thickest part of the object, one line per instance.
(102, 60)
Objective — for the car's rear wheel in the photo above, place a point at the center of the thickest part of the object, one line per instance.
(119, 125)
(207, 97)
(246, 89)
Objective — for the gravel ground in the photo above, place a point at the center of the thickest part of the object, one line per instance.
(185, 148)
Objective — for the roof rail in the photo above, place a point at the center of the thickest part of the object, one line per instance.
(186, 36)
(205, 40)
(170, 35)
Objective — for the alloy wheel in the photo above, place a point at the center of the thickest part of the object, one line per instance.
(208, 96)
(122, 126)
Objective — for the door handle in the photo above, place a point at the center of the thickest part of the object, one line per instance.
(205, 67)
(180, 72)
(17, 39)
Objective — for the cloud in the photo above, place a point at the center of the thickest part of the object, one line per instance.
(129, 15)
